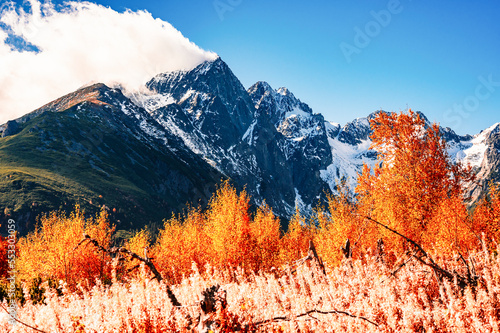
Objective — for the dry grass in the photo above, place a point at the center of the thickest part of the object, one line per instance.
(411, 301)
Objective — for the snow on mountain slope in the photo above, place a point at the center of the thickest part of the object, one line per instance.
(482, 152)
(349, 146)
(248, 136)
(473, 151)
(301, 137)
(151, 101)
(347, 162)
(350, 150)
(266, 139)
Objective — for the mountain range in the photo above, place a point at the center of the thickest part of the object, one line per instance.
(147, 155)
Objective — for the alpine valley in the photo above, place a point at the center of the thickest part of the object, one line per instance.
(147, 155)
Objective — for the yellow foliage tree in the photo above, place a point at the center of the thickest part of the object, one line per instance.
(181, 243)
(139, 244)
(228, 226)
(451, 228)
(225, 236)
(339, 223)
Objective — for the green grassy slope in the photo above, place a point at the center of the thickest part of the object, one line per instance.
(91, 154)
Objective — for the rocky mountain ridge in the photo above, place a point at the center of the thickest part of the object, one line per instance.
(306, 156)
(203, 126)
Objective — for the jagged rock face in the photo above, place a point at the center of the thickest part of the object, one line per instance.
(10, 128)
(355, 132)
(483, 153)
(211, 84)
(269, 176)
(264, 139)
(493, 158)
(303, 140)
(450, 136)
(213, 114)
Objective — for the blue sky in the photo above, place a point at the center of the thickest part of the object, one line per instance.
(349, 58)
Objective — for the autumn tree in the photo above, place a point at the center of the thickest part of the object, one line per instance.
(295, 242)
(4, 258)
(182, 242)
(338, 223)
(265, 230)
(228, 222)
(414, 183)
(225, 235)
(50, 250)
(486, 215)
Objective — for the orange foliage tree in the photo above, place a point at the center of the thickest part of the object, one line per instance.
(228, 220)
(487, 215)
(225, 235)
(295, 242)
(138, 244)
(339, 223)
(49, 251)
(265, 231)
(181, 243)
(415, 188)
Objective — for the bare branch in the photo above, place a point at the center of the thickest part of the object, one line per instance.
(346, 250)
(308, 313)
(147, 261)
(311, 255)
(393, 273)
(440, 272)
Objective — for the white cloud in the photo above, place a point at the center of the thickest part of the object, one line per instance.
(80, 43)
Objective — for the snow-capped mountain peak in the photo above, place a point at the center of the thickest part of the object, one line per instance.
(489, 132)
(269, 140)
(217, 65)
(285, 92)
